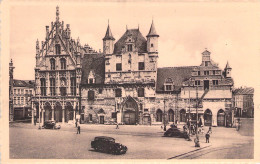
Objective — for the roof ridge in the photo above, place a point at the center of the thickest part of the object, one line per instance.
(178, 67)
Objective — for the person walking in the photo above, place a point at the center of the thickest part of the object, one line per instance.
(210, 130)
(117, 127)
(207, 137)
(197, 141)
(76, 123)
(78, 130)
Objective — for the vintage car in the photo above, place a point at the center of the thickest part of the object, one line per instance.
(175, 132)
(51, 125)
(108, 145)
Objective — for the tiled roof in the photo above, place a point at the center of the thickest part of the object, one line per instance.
(244, 91)
(177, 74)
(139, 40)
(96, 63)
(24, 83)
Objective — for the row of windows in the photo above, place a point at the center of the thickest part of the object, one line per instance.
(62, 64)
(214, 82)
(118, 93)
(214, 72)
(21, 100)
(22, 91)
(140, 66)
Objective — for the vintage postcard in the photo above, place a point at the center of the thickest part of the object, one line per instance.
(129, 81)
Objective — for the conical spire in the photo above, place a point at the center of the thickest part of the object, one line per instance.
(227, 66)
(152, 31)
(57, 13)
(108, 35)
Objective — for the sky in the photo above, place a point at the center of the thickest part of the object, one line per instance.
(230, 31)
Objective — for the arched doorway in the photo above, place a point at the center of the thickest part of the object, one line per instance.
(159, 115)
(58, 112)
(183, 115)
(171, 115)
(130, 112)
(101, 116)
(221, 118)
(48, 112)
(208, 117)
(68, 112)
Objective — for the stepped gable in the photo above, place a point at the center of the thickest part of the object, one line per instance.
(177, 74)
(139, 40)
(96, 63)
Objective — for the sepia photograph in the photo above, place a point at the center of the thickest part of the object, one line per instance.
(129, 80)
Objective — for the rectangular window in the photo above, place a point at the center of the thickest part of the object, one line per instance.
(15, 100)
(141, 66)
(18, 99)
(30, 92)
(215, 82)
(26, 92)
(63, 91)
(119, 66)
(14, 91)
(90, 117)
(113, 114)
(73, 86)
(129, 47)
(100, 90)
(197, 82)
(140, 92)
(206, 63)
(91, 95)
(118, 92)
(91, 81)
(22, 100)
(18, 90)
(198, 73)
(214, 72)
(206, 72)
(43, 87)
(22, 91)
(168, 87)
(52, 86)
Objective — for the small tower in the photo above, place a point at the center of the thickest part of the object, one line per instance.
(206, 58)
(37, 53)
(152, 40)
(228, 71)
(108, 42)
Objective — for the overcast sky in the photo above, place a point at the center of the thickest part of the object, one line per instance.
(230, 31)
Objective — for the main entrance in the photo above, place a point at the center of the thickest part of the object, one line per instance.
(130, 112)
(208, 117)
(221, 118)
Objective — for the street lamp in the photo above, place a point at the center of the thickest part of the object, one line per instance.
(164, 114)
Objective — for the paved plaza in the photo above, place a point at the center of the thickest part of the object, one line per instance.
(143, 142)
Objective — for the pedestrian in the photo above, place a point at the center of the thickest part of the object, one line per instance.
(210, 130)
(78, 130)
(184, 128)
(117, 127)
(76, 123)
(202, 129)
(207, 137)
(197, 141)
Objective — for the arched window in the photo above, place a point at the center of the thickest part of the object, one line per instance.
(171, 115)
(159, 115)
(52, 61)
(57, 49)
(43, 87)
(73, 86)
(63, 91)
(63, 63)
(52, 86)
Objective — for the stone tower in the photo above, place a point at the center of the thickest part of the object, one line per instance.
(228, 71)
(11, 78)
(108, 42)
(152, 40)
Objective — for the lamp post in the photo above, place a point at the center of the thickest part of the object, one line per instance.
(164, 119)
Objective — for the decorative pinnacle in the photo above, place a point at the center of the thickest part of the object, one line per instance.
(57, 13)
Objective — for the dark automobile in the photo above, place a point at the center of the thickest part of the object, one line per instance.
(108, 145)
(175, 132)
(51, 125)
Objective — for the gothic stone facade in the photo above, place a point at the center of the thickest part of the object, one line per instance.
(124, 85)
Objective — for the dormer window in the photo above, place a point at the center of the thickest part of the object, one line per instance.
(129, 47)
(168, 84)
(90, 81)
(91, 77)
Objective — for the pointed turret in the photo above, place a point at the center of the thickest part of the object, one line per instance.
(228, 71)
(152, 40)
(108, 35)
(57, 13)
(108, 41)
(152, 32)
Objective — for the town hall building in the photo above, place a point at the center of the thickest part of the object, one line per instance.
(123, 83)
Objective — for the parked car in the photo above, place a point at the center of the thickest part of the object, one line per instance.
(108, 145)
(51, 125)
(175, 132)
